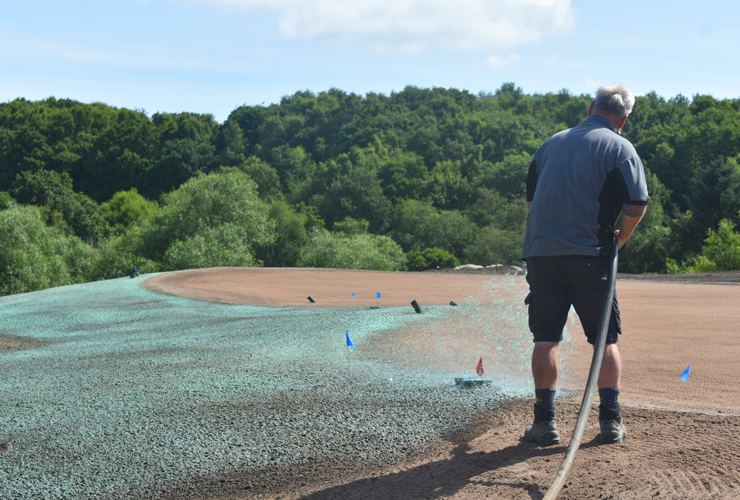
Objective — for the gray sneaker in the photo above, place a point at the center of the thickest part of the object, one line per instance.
(612, 425)
(543, 430)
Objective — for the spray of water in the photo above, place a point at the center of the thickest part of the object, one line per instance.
(492, 324)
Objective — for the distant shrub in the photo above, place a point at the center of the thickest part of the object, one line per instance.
(430, 258)
(357, 251)
(6, 201)
(126, 209)
(222, 246)
(350, 226)
(120, 255)
(721, 251)
(495, 246)
(34, 256)
(211, 220)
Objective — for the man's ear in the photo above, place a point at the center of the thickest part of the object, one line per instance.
(590, 109)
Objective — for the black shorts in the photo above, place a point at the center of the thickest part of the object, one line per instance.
(556, 283)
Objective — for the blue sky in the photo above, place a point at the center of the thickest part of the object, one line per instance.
(210, 56)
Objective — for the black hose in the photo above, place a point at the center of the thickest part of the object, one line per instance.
(593, 376)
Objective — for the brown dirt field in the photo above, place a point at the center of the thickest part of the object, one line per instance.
(684, 438)
(263, 286)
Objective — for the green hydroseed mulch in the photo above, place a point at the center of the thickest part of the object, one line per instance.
(124, 393)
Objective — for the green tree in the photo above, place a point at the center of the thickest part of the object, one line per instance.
(54, 191)
(230, 145)
(350, 226)
(127, 208)
(424, 141)
(492, 209)
(266, 178)
(174, 162)
(715, 193)
(430, 258)
(417, 226)
(226, 245)
(311, 217)
(651, 242)
(357, 251)
(6, 201)
(34, 256)
(198, 208)
(357, 194)
(121, 254)
(119, 158)
(291, 235)
(506, 177)
(184, 145)
(249, 119)
(721, 250)
(411, 223)
(495, 246)
(402, 176)
(446, 188)
(293, 165)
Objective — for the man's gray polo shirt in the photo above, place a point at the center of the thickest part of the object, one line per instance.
(578, 183)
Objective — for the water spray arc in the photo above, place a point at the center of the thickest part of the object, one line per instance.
(593, 375)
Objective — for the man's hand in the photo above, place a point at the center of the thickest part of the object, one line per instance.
(631, 216)
(620, 242)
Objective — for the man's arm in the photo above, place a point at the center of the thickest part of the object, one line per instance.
(531, 182)
(631, 217)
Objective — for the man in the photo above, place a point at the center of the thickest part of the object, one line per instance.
(578, 183)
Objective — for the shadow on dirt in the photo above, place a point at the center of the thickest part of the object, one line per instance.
(443, 478)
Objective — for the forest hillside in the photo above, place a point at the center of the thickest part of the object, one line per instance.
(409, 181)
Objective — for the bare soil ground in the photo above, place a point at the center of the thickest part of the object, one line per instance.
(684, 438)
(329, 287)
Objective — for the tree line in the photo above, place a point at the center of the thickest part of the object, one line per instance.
(412, 180)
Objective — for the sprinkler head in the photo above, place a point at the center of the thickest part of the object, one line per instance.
(416, 307)
(471, 382)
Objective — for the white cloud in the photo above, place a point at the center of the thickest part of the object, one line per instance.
(500, 62)
(412, 26)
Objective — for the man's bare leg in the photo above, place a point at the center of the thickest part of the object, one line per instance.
(610, 412)
(545, 365)
(545, 372)
(611, 368)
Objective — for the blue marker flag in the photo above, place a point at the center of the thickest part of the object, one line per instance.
(349, 341)
(685, 374)
(377, 295)
(353, 294)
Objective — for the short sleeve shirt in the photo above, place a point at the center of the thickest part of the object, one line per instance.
(578, 182)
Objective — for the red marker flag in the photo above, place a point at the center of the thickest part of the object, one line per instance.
(479, 368)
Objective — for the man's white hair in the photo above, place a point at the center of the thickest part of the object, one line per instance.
(615, 99)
